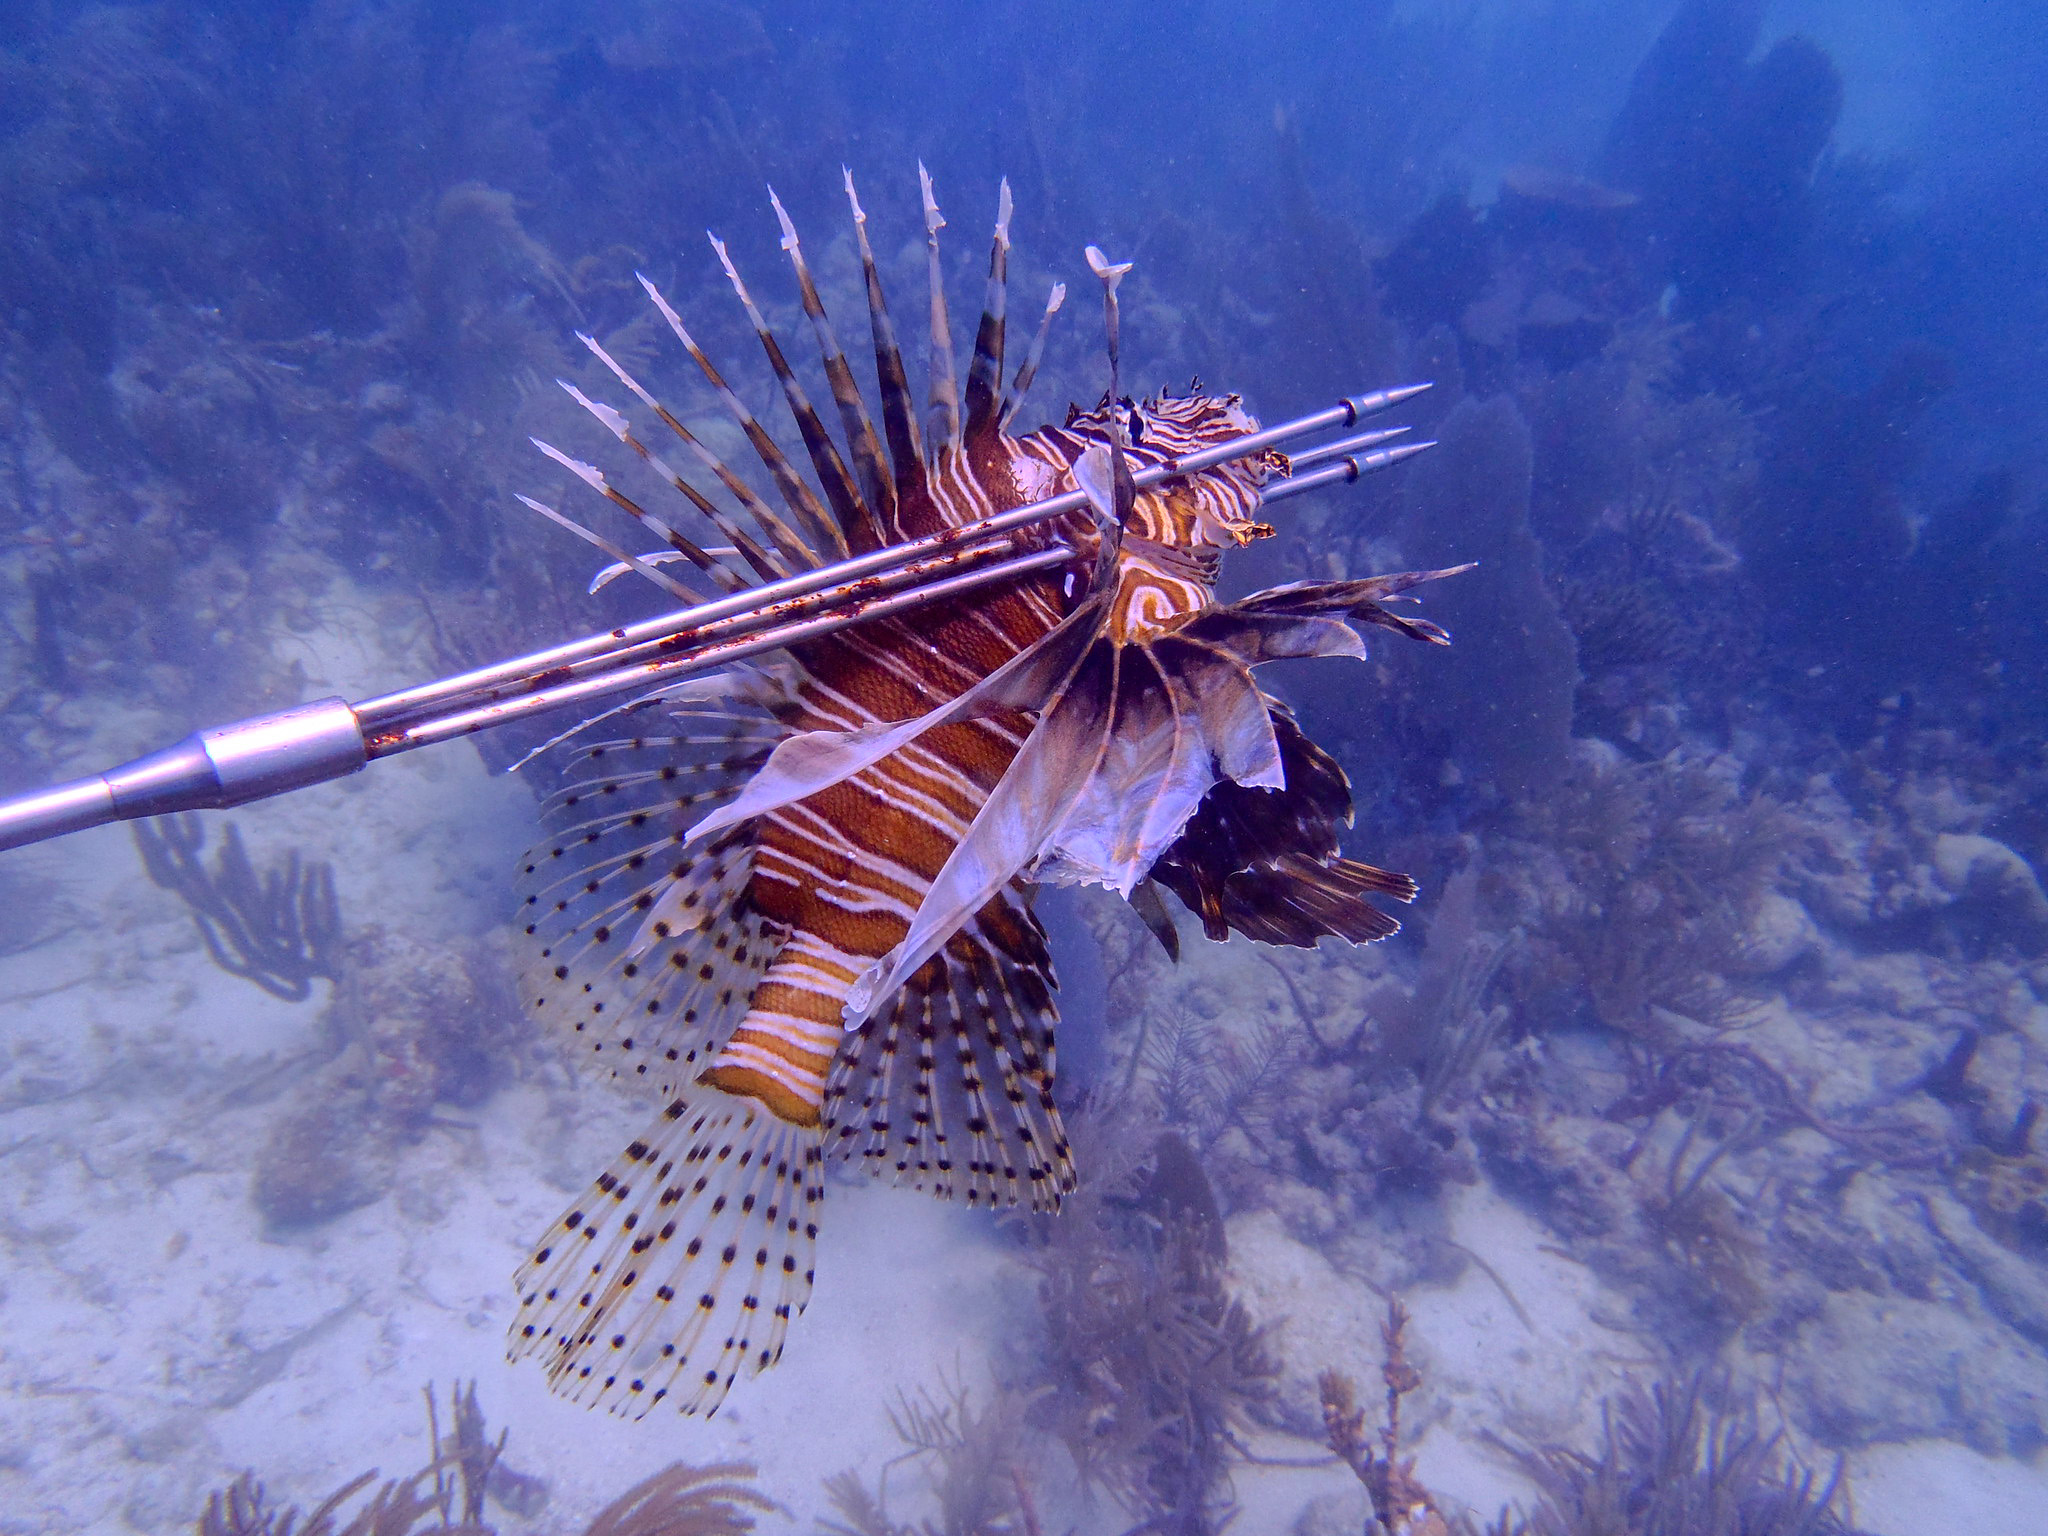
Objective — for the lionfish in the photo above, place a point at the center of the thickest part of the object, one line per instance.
(798, 907)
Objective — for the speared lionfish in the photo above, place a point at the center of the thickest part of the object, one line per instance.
(800, 906)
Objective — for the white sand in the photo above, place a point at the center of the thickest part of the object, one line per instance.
(157, 1342)
(1936, 1485)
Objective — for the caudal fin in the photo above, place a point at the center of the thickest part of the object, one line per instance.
(682, 1265)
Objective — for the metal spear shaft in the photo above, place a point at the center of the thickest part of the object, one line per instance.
(308, 744)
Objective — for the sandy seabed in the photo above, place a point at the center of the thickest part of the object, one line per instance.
(158, 1340)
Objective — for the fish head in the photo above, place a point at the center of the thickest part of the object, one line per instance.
(1179, 528)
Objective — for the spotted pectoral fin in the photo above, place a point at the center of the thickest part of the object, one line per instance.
(682, 1266)
(641, 947)
(949, 1086)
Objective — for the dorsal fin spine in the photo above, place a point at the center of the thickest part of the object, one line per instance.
(1013, 398)
(899, 419)
(824, 454)
(795, 494)
(591, 536)
(618, 426)
(985, 375)
(767, 563)
(943, 415)
(877, 488)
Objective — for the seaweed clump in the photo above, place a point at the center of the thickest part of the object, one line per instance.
(1670, 1463)
(1147, 1367)
(280, 929)
(451, 1495)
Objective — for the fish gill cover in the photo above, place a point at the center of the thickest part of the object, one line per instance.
(1705, 1083)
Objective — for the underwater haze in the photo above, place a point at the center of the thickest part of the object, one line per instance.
(1676, 1169)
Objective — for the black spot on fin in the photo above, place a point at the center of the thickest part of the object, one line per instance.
(641, 947)
(949, 1088)
(682, 1267)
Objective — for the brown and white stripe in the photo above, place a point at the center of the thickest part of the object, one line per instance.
(720, 967)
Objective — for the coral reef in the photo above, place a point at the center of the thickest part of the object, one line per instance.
(1498, 717)
(1645, 882)
(1401, 1505)
(280, 929)
(1681, 1456)
(457, 1478)
(1729, 801)
(409, 1026)
(455, 1489)
(978, 1463)
(1672, 1462)
(414, 1028)
(682, 1500)
(1723, 146)
(1146, 1368)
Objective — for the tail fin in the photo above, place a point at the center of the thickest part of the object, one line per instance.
(682, 1265)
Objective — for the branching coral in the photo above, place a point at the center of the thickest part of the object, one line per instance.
(1672, 1463)
(1366, 1109)
(1207, 1082)
(977, 1460)
(243, 1509)
(1400, 1503)
(280, 929)
(451, 1491)
(1673, 1460)
(1148, 1367)
(1443, 1028)
(681, 1500)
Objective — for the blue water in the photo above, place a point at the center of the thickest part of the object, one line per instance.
(1736, 315)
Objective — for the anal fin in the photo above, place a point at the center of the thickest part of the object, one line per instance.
(949, 1086)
